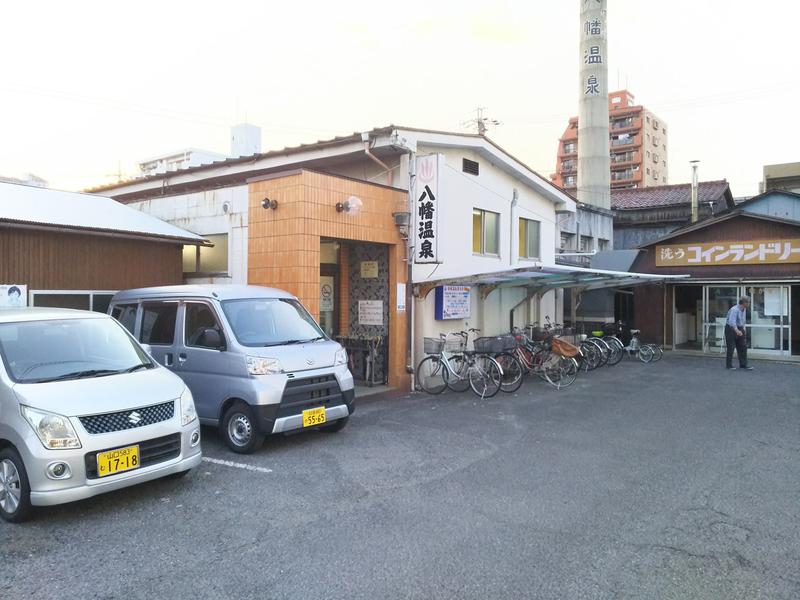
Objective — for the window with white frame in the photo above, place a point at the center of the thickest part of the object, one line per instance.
(485, 232)
(529, 244)
(96, 301)
(204, 260)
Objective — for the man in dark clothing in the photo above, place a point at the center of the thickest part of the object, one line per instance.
(735, 335)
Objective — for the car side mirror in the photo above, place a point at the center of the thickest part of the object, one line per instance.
(213, 339)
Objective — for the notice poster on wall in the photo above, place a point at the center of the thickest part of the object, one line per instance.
(369, 269)
(370, 312)
(775, 303)
(326, 294)
(452, 302)
(401, 297)
(13, 295)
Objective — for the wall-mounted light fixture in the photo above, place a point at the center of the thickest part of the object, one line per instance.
(267, 204)
(401, 221)
(352, 205)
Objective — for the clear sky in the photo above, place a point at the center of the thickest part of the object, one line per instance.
(88, 87)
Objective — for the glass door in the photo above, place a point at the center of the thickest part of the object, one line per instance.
(718, 301)
(768, 324)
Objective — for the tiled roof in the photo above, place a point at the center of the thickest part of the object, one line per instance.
(669, 195)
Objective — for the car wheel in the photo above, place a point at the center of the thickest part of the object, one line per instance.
(240, 429)
(337, 425)
(15, 491)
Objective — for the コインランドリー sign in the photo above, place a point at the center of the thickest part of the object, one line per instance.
(759, 252)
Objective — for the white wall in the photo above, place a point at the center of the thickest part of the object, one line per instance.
(491, 190)
(202, 213)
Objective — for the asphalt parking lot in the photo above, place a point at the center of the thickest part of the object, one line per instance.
(671, 480)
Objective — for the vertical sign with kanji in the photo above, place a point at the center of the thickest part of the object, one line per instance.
(426, 211)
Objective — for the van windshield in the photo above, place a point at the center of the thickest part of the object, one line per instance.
(57, 350)
(271, 322)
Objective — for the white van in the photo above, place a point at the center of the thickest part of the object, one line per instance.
(255, 360)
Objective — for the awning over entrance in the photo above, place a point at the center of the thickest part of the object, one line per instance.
(541, 278)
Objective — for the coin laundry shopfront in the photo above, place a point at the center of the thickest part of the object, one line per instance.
(752, 252)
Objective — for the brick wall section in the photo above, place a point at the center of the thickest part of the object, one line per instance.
(283, 244)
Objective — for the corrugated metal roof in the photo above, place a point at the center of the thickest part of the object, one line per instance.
(44, 207)
(668, 195)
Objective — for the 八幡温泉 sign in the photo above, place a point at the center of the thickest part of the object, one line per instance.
(452, 302)
(14, 295)
(759, 252)
(426, 192)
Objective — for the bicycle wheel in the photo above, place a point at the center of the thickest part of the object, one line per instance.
(459, 364)
(430, 375)
(551, 370)
(603, 348)
(512, 372)
(658, 352)
(485, 376)
(569, 371)
(617, 349)
(591, 356)
(645, 354)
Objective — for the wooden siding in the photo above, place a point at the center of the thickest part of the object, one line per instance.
(284, 244)
(64, 261)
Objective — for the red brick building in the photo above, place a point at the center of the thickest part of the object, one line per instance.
(637, 145)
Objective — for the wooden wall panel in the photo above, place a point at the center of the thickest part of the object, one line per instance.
(66, 261)
(284, 244)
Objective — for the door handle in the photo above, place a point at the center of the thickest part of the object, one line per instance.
(182, 358)
(168, 359)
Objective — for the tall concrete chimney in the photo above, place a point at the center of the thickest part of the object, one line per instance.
(695, 190)
(594, 163)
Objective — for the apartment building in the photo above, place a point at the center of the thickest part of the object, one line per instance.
(637, 145)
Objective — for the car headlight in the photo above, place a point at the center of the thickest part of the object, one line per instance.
(340, 358)
(54, 431)
(188, 413)
(263, 366)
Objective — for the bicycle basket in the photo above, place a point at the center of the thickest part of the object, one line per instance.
(455, 344)
(539, 334)
(564, 348)
(433, 345)
(493, 345)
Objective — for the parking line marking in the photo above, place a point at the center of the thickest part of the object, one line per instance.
(236, 465)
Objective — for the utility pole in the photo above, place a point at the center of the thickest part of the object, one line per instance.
(481, 122)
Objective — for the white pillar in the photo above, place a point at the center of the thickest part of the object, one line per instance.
(594, 164)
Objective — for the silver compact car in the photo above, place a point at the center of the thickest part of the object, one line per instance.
(84, 410)
(254, 358)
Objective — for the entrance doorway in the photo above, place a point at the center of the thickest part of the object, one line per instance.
(700, 313)
(794, 303)
(688, 334)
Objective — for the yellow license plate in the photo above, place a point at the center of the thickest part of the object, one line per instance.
(314, 416)
(116, 461)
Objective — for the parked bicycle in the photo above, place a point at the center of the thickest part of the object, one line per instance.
(450, 365)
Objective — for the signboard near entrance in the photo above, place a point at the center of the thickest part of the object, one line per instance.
(759, 252)
(13, 295)
(369, 269)
(452, 302)
(425, 221)
(370, 312)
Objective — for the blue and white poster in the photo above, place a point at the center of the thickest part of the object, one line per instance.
(452, 302)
